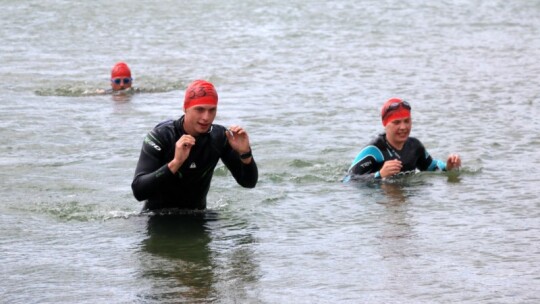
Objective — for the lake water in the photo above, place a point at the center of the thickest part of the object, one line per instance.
(306, 79)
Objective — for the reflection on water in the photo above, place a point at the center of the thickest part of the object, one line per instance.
(197, 257)
(396, 222)
(122, 98)
(453, 177)
(398, 249)
(67, 157)
(186, 270)
(394, 193)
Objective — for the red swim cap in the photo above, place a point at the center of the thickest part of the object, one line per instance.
(200, 92)
(402, 110)
(120, 69)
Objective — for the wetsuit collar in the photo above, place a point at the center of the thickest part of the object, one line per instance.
(179, 125)
(391, 149)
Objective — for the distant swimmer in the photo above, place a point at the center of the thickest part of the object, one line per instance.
(122, 86)
(394, 153)
(121, 77)
(121, 80)
(178, 157)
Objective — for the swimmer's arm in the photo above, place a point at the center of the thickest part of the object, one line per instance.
(246, 175)
(453, 162)
(367, 162)
(150, 172)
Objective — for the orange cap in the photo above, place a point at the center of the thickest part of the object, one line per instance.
(120, 69)
(200, 92)
(400, 112)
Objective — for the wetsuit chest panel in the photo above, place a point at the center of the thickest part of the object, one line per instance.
(409, 155)
(201, 161)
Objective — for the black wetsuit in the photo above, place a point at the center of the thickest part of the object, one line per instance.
(187, 189)
(413, 156)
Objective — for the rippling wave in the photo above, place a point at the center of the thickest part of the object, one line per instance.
(82, 90)
(77, 211)
(307, 79)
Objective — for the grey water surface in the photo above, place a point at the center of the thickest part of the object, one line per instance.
(306, 79)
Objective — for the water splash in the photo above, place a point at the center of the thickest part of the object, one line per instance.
(78, 211)
(84, 91)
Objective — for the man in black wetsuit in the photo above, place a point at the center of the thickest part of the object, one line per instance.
(394, 152)
(178, 157)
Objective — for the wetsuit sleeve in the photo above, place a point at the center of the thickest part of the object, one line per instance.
(150, 172)
(427, 163)
(369, 160)
(245, 175)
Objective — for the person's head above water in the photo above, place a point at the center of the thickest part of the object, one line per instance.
(393, 109)
(200, 92)
(397, 122)
(121, 77)
(200, 107)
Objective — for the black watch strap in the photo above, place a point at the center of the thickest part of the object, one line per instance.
(246, 155)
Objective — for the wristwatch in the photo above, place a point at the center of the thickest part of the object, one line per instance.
(246, 155)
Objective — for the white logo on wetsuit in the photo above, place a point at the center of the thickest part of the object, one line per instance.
(193, 165)
(151, 143)
(365, 165)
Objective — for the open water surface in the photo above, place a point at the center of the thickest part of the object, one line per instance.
(306, 79)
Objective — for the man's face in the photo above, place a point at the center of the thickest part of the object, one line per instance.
(398, 130)
(199, 119)
(121, 83)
